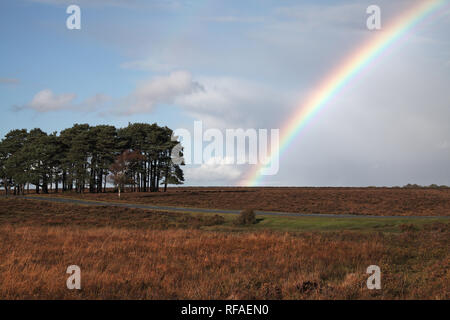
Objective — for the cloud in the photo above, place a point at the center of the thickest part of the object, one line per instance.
(229, 19)
(387, 126)
(213, 170)
(220, 102)
(46, 101)
(159, 90)
(345, 15)
(443, 145)
(313, 15)
(93, 103)
(9, 81)
(168, 4)
(147, 65)
(233, 102)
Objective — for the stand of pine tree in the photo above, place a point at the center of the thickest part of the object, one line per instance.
(86, 157)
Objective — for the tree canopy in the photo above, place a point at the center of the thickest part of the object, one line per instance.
(86, 157)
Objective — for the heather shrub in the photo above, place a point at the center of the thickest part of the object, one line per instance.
(408, 227)
(246, 217)
(214, 220)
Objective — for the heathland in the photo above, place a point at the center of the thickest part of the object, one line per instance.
(128, 253)
(362, 201)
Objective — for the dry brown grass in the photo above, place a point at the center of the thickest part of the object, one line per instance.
(181, 264)
(43, 213)
(120, 260)
(371, 201)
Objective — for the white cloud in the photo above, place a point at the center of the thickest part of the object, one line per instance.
(232, 102)
(214, 169)
(220, 102)
(156, 91)
(46, 101)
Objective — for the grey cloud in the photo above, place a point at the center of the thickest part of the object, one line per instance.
(159, 90)
(166, 4)
(9, 81)
(234, 19)
(148, 64)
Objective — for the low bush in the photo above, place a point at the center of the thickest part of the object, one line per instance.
(246, 217)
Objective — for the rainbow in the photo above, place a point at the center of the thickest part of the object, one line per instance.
(339, 77)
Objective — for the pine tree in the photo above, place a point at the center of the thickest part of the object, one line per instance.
(83, 156)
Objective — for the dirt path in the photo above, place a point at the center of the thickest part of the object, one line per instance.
(217, 211)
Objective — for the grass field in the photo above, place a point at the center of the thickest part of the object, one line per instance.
(140, 254)
(361, 201)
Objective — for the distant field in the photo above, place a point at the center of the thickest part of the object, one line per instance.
(43, 213)
(364, 201)
(140, 254)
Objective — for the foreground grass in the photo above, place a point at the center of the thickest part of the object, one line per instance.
(195, 264)
(136, 254)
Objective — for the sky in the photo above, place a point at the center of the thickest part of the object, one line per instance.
(238, 64)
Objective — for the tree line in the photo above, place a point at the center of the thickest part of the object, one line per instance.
(86, 157)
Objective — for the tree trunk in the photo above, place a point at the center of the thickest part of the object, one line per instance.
(100, 181)
(166, 178)
(91, 179)
(44, 184)
(158, 176)
(144, 177)
(148, 176)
